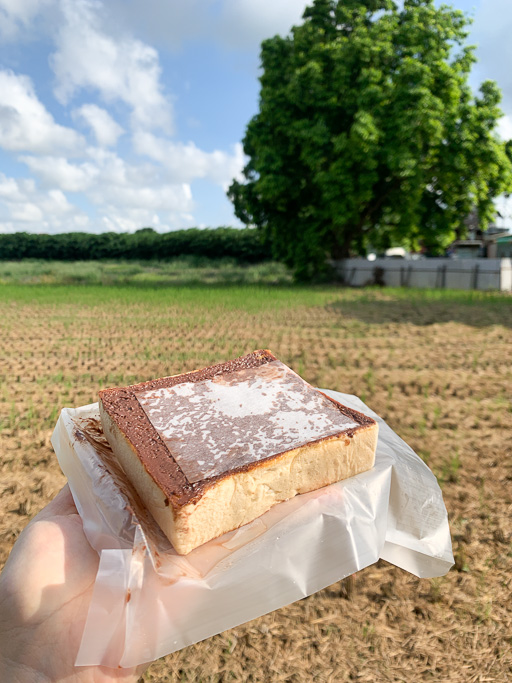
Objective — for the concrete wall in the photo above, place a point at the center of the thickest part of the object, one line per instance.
(444, 273)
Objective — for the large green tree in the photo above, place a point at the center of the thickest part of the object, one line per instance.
(368, 133)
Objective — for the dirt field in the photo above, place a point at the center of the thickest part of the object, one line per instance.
(437, 367)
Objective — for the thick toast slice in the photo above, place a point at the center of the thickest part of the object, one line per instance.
(211, 450)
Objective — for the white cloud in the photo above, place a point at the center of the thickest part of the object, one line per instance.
(23, 206)
(120, 69)
(505, 128)
(125, 196)
(187, 162)
(246, 23)
(15, 191)
(25, 124)
(100, 57)
(17, 15)
(162, 198)
(59, 172)
(238, 24)
(129, 195)
(131, 219)
(104, 127)
(167, 23)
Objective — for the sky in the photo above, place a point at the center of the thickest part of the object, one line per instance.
(122, 114)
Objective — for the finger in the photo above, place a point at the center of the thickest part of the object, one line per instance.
(62, 504)
(124, 674)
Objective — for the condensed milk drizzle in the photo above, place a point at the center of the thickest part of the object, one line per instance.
(217, 425)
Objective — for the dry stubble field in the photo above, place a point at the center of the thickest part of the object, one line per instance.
(436, 366)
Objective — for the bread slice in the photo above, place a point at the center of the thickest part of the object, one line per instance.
(211, 450)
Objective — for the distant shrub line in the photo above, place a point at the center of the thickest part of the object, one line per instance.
(243, 245)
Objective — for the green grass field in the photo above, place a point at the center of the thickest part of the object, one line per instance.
(184, 270)
(435, 364)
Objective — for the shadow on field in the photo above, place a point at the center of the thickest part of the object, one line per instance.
(482, 311)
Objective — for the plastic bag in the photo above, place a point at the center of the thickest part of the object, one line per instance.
(148, 601)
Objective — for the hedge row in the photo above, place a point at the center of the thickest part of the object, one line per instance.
(244, 245)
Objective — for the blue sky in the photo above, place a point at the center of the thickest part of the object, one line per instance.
(119, 114)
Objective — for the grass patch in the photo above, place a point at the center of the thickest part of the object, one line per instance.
(250, 298)
(178, 271)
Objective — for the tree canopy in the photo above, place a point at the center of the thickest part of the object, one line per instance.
(368, 133)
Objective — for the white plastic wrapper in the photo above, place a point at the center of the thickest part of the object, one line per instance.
(148, 601)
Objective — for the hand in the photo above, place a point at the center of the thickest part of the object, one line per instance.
(45, 591)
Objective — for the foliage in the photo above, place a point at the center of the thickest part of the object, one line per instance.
(368, 134)
(242, 245)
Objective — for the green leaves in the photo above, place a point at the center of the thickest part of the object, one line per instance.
(368, 132)
(245, 246)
